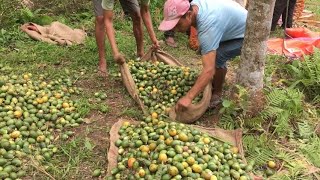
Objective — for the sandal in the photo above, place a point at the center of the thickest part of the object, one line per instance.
(215, 101)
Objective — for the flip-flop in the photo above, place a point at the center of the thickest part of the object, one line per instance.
(215, 101)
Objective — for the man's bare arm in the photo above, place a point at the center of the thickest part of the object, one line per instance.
(204, 78)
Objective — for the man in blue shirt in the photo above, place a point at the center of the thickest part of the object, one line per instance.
(221, 26)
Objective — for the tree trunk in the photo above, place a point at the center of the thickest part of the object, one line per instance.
(243, 3)
(254, 48)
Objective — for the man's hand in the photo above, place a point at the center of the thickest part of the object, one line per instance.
(119, 59)
(155, 44)
(183, 103)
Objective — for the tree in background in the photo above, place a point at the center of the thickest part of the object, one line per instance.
(251, 70)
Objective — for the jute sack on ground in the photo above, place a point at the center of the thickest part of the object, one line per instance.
(55, 33)
(194, 112)
(233, 137)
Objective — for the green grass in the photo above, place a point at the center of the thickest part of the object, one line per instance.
(313, 5)
(75, 159)
(132, 112)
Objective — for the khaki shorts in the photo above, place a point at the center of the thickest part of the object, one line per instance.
(127, 5)
(97, 7)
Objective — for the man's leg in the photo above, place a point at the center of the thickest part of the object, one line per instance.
(100, 34)
(218, 81)
(227, 51)
(289, 18)
(279, 7)
(133, 8)
(169, 38)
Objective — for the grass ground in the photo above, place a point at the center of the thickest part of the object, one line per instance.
(86, 151)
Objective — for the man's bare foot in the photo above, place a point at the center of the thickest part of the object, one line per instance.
(170, 42)
(102, 69)
(215, 101)
(140, 55)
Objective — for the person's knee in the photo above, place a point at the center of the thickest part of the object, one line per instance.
(136, 17)
(221, 65)
(99, 20)
(144, 7)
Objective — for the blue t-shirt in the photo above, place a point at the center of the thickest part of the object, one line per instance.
(218, 21)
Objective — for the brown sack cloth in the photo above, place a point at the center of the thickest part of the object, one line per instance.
(298, 9)
(55, 33)
(193, 39)
(194, 112)
(234, 137)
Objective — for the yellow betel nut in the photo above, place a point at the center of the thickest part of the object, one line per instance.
(271, 164)
(15, 134)
(126, 123)
(154, 115)
(163, 157)
(196, 168)
(183, 137)
(206, 140)
(17, 114)
(141, 172)
(173, 171)
(144, 148)
(65, 105)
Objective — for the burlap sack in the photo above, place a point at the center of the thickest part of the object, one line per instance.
(193, 39)
(55, 33)
(194, 112)
(233, 137)
(298, 9)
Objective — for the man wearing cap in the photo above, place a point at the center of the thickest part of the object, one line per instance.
(221, 26)
(137, 13)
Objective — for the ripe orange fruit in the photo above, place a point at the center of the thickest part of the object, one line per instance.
(131, 161)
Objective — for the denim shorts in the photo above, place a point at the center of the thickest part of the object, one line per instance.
(228, 50)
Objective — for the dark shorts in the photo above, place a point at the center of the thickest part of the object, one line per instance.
(97, 7)
(130, 6)
(228, 50)
(127, 6)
